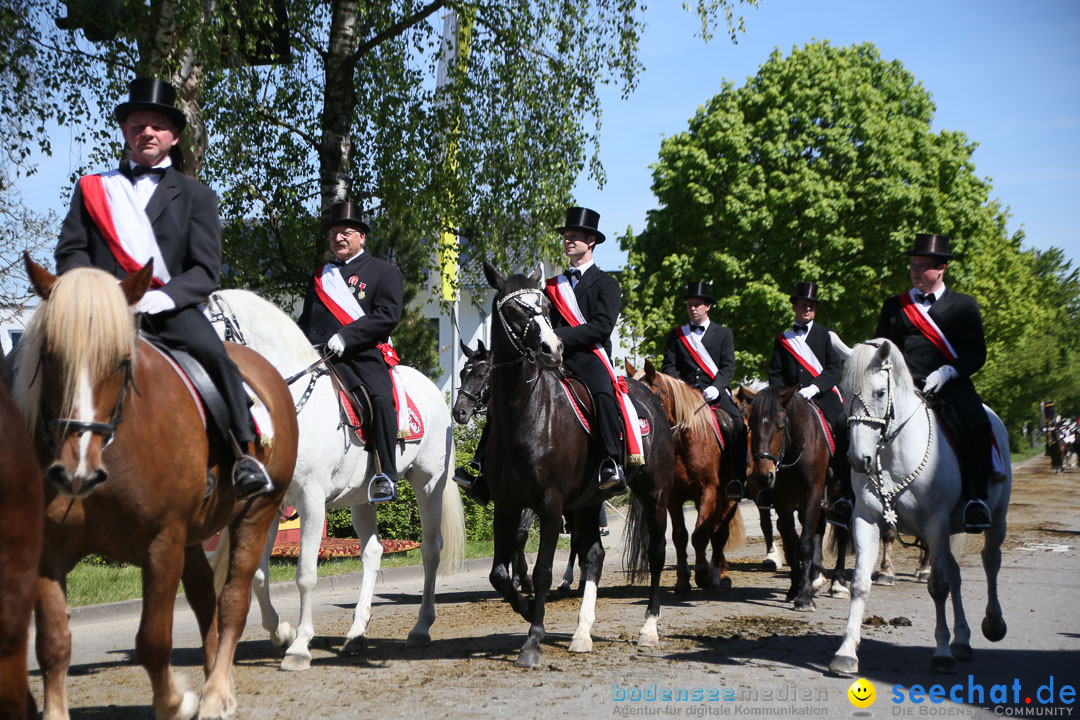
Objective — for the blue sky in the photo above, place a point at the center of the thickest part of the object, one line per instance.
(1005, 73)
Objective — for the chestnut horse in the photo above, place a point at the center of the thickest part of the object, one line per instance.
(699, 465)
(132, 475)
(20, 551)
(790, 458)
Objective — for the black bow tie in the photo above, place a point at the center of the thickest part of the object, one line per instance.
(573, 274)
(697, 328)
(139, 170)
(337, 263)
(927, 298)
(800, 328)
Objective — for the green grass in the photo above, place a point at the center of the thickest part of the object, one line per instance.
(1026, 453)
(91, 583)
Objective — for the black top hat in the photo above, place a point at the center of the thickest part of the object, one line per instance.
(805, 291)
(932, 246)
(701, 290)
(151, 94)
(584, 219)
(347, 213)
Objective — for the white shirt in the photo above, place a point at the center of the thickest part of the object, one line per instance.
(808, 326)
(936, 293)
(145, 185)
(353, 257)
(704, 326)
(581, 270)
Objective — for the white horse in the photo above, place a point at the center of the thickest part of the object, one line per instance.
(333, 471)
(905, 473)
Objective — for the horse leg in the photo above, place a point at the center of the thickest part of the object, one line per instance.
(505, 523)
(550, 522)
(701, 537)
(885, 575)
(993, 624)
(520, 566)
(153, 642)
(281, 633)
(785, 523)
(838, 587)
(943, 572)
(365, 524)
(199, 590)
(656, 522)
(53, 643)
(772, 560)
(587, 525)
(431, 543)
(312, 508)
(960, 647)
(846, 660)
(808, 543)
(679, 536)
(721, 532)
(249, 538)
(923, 573)
(566, 587)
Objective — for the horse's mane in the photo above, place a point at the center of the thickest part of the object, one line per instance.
(519, 281)
(863, 363)
(85, 323)
(687, 403)
(268, 330)
(766, 403)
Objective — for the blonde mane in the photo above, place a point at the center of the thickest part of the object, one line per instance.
(85, 323)
(688, 402)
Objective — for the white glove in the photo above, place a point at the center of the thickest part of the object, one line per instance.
(155, 301)
(937, 379)
(711, 393)
(336, 345)
(809, 391)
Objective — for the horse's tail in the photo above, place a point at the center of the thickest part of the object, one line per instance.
(219, 561)
(838, 542)
(636, 542)
(452, 559)
(736, 531)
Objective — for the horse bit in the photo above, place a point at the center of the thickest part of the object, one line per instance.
(888, 497)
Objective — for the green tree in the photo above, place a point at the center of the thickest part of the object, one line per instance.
(823, 167)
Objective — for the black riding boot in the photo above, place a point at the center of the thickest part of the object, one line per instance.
(470, 476)
(737, 448)
(975, 476)
(611, 478)
(383, 486)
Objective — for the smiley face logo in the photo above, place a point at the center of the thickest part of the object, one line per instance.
(861, 693)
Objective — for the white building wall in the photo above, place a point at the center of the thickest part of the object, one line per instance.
(12, 328)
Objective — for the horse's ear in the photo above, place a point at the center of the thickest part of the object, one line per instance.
(466, 349)
(40, 278)
(788, 394)
(136, 284)
(480, 347)
(883, 351)
(630, 370)
(536, 274)
(650, 371)
(494, 279)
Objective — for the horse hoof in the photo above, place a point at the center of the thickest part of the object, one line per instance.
(581, 644)
(648, 640)
(283, 638)
(819, 582)
(724, 583)
(844, 665)
(838, 590)
(354, 645)
(886, 579)
(294, 662)
(211, 709)
(961, 651)
(922, 575)
(805, 606)
(993, 629)
(528, 659)
(418, 639)
(945, 664)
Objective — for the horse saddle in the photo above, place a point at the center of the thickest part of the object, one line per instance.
(581, 400)
(356, 412)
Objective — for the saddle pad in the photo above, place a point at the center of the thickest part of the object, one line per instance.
(414, 432)
(716, 428)
(186, 380)
(583, 418)
(825, 429)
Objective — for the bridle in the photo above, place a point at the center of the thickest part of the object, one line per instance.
(69, 425)
(525, 353)
(890, 430)
(479, 400)
(778, 459)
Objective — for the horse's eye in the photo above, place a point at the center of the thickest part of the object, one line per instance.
(879, 393)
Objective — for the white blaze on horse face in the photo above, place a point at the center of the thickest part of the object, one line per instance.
(548, 338)
(84, 412)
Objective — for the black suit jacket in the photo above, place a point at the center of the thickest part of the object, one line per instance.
(184, 215)
(718, 341)
(600, 299)
(958, 317)
(786, 371)
(379, 289)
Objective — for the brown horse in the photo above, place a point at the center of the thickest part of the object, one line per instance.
(744, 398)
(20, 552)
(699, 465)
(790, 458)
(133, 476)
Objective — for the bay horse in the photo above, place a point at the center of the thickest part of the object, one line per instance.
(790, 458)
(23, 491)
(907, 476)
(744, 397)
(539, 456)
(333, 470)
(132, 475)
(699, 466)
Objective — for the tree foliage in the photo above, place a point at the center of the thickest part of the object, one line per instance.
(822, 168)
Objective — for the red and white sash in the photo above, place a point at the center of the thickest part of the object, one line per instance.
(110, 199)
(561, 294)
(694, 345)
(332, 291)
(920, 318)
(795, 343)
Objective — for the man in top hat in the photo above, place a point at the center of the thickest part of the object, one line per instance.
(352, 305)
(148, 210)
(702, 354)
(803, 357)
(593, 300)
(940, 333)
